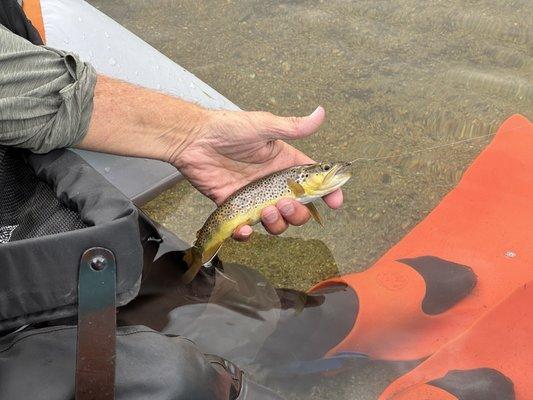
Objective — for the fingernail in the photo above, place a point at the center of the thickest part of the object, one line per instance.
(246, 230)
(317, 110)
(286, 208)
(270, 216)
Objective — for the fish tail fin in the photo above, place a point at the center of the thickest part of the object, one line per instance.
(193, 258)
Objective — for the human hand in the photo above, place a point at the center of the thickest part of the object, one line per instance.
(234, 148)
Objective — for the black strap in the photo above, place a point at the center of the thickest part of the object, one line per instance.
(14, 19)
(97, 324)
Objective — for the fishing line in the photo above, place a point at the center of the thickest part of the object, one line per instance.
(423, 150)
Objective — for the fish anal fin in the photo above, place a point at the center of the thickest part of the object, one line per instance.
(314, 212)
(295, 187)
(193, 258)
(211, 251)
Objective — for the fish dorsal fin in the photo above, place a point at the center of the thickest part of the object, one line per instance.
(295, 187)
(314, 212)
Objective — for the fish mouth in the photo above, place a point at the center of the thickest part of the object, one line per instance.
(337, 176)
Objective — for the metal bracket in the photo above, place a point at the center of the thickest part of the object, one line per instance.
(95, 364)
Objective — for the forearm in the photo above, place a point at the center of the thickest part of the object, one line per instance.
(133, 121)
(51, 99)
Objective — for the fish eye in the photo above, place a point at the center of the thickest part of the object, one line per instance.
(327, 167)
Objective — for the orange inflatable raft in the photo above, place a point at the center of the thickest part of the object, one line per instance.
(471, 252)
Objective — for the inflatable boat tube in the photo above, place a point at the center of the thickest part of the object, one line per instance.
(471, 252)
(491, 360)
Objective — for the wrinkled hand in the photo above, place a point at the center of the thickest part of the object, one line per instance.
(235, 148)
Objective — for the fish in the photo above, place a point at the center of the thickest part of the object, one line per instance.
(304, 183)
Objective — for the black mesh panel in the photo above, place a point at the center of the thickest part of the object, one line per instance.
(28, 206)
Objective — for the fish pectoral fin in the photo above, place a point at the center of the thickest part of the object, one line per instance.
(314, 212)
(299, 191)
(295, 187)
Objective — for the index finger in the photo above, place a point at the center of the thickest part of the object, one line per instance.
(334, 199)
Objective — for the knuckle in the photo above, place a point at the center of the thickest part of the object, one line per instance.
(275, 228)
(294, 124)
(300, 220)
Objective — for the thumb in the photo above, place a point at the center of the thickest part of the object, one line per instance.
(296, 127)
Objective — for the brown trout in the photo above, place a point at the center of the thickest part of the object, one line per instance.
(304, 183)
